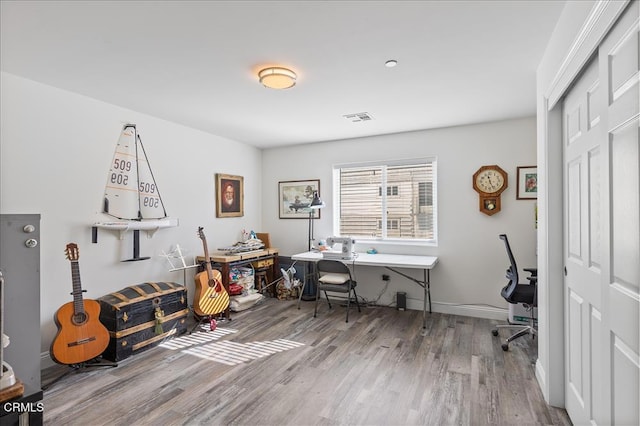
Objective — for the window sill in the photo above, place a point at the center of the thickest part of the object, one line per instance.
(394, 246)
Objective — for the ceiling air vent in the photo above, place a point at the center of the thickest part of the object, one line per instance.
(357, 117)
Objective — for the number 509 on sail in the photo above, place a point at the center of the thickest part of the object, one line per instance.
(151, 202)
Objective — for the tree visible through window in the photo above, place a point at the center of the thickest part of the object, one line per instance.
(407, 205)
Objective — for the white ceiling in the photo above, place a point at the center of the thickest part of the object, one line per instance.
(196, 62)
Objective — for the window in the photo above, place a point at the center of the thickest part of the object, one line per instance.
(391, 224)
(391, 190)
(407, 206)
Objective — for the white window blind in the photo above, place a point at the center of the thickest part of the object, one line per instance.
(400, 195)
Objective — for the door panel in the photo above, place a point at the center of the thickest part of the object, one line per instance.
(595, 219)
(624, 395)
(621, 288)
(597, 379)
(602, 232)
(582, 123)
(576, 343)
(625, 220)
(574, 208)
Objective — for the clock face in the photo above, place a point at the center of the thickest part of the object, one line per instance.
(490, 181)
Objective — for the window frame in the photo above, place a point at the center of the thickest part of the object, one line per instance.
(383, 184)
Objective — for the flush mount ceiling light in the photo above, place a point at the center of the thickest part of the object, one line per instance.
(391, 63)
(277, 78)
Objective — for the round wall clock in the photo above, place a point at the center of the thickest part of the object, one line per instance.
(489, 182)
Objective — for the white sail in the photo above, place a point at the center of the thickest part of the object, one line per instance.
(131, 192)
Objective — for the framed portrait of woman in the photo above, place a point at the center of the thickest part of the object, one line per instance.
(229, 195)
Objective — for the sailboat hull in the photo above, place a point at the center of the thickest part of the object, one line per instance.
(147, 225)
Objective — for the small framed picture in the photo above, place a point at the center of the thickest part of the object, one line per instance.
(527, 183)
(295, 197)
(229, 195)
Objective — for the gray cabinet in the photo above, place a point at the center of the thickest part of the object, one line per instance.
(20, 265)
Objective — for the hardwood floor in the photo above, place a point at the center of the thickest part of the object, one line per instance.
(277, 365)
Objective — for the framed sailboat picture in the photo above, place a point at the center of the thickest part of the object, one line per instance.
(229, 195)
(295, 199)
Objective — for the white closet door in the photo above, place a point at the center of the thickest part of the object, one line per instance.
(620, 70)
(582, 124)
(602, 232)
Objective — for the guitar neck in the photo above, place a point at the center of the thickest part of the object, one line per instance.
(206, 256)
(78, 302)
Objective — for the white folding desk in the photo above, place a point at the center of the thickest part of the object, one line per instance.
(390, 262)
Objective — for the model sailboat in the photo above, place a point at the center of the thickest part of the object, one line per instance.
(131, 194)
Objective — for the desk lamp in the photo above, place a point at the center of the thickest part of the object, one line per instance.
(316, 204)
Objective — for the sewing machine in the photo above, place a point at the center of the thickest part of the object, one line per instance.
(340, 248)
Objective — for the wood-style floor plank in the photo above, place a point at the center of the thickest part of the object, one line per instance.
(277, 365)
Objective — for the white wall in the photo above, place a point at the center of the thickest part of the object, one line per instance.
(55, 155)
(472, 257)
(57, 147)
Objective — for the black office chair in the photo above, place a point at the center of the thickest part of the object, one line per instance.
(516, 293)
(334, 276)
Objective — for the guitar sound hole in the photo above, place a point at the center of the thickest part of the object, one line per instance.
(79, 318)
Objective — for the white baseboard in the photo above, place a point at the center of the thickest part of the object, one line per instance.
(540, 376)
(46, 361)
(476, 311)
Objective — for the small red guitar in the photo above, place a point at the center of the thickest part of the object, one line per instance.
(210, 296)
(81, 336)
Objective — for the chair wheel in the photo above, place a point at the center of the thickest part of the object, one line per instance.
(505, 347)
(494, 331)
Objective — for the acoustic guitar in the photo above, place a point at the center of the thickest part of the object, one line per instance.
(210, 296)
(81, 336)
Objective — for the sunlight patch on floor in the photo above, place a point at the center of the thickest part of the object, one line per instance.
(204, 345)
(234, 353)
(197, 338)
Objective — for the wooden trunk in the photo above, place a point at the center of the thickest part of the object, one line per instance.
(142, 316)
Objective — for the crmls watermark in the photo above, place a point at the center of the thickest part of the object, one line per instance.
(23, 407)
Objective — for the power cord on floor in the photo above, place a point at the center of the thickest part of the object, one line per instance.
(376, 302)
(362, 300)
(383, 291)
